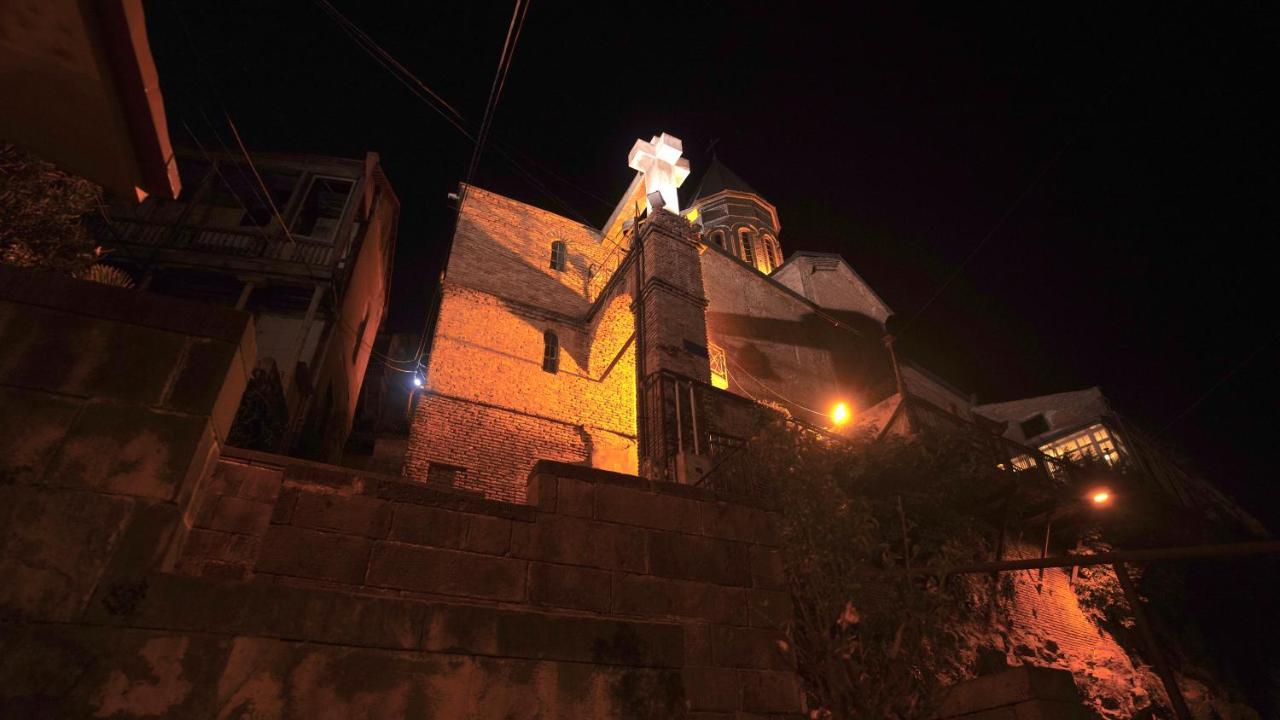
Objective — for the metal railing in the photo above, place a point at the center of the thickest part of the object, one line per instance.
(245, 243)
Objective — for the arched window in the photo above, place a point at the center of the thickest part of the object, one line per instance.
(745, 244)
(558, 255)
(550, 352)
(717, 237)
(775, 251)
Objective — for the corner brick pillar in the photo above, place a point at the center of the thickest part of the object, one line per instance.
(672, 351)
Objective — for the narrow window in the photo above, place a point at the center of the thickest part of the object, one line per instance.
(718, 238)
(550, 352)
(772, 249)
(558, 255)
(744, 241)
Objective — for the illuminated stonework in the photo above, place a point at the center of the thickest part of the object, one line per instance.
(663, 327)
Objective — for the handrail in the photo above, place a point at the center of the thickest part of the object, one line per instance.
(235, 242)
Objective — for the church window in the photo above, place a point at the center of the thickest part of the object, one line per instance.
(771, 249)
(550, 352)
(558, 255)
(719, 368)
(767, 262)
(744, 241)
(717, 237)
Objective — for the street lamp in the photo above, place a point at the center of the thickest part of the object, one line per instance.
(1101, 496)
(840, 414)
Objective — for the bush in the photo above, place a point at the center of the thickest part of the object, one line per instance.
(871, 640)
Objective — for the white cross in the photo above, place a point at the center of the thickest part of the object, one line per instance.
(664, 170)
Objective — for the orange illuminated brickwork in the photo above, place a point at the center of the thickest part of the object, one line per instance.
(489, 406)
(534, 353)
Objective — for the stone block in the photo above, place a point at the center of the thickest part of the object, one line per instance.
(569, 586)
(128, 450)
(767, 568)
(708, 688)
(574, 541)
(541, 492)
(32, 426)
(300, 552)
(54, 547)
(201, 373)
(203, 543)
(738, 522)
(1050, 710)
(739, 647)
(259, 483)
(88, 357)
(661, 597)
(646, 509)
(697, 644)
(770, 691)
(69, 671)
(489, 535)
(237, 515)
(691, 557)
(1008, 688)
(446, 572)
(580, 639)
(422, 525)
(282, 514)
(338, 618)
(769, 609)
(575, 497)
(346, 514)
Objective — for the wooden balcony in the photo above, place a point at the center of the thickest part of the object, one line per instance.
(246, 249)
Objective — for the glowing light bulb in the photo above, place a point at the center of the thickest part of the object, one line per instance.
(840, 414)
(417, 380)
(1100, 497)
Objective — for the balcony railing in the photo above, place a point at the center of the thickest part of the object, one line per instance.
(246, 243)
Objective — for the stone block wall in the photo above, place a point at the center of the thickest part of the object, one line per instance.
(366, 595)
(113, 408)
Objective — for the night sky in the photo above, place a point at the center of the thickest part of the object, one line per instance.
(1132, 150)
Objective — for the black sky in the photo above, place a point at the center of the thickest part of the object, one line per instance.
(1141, 140)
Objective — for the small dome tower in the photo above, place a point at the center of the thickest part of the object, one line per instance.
(735, 217)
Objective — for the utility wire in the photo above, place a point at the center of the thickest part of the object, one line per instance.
(1217, 384)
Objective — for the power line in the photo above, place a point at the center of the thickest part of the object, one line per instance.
(1218, 384)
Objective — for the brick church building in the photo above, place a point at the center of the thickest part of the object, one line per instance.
(648, 346)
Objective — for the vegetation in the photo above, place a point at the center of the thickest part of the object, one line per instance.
(871, 640)
(40, 215)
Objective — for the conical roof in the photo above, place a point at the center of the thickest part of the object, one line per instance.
(718, 178)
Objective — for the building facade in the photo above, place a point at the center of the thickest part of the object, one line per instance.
(651, 345)
(305, 245)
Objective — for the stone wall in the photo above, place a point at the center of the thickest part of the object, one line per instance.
(113, 408)
(499, 298)
(366, 595)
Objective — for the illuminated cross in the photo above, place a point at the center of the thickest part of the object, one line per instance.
(664, 170)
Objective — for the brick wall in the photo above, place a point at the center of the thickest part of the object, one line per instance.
(488, 351)
(370, 596)
(497, 447)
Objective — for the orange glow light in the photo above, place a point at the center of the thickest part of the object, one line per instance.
(840, 414)
(1100, 497)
